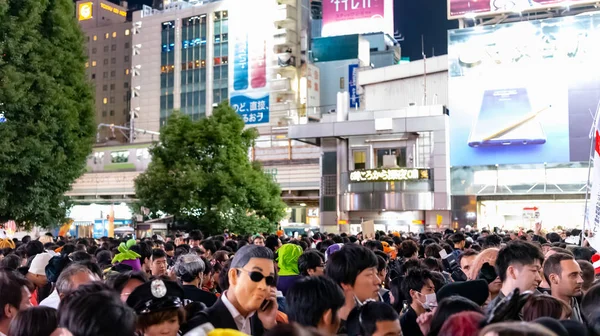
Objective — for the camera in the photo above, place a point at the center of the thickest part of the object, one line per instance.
(451, 266)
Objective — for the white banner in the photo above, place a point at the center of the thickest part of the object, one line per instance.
(593, 211)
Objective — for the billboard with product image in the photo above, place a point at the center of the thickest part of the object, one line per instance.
(346, 17)
(465, 8)
(524, 92)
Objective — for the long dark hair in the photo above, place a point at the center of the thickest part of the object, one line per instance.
(39, 321)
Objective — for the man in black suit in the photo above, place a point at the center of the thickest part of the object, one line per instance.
(250, 303)
(189, 268)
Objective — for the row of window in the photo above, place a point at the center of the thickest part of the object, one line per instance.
(108, 35)
(112, 61)
(112, 112)
(113, 47)
(112, 86)
(112, 100)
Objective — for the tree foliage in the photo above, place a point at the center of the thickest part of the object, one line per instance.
(201, 173)
(48, 104)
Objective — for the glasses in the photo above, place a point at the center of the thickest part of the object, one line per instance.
(257, 277)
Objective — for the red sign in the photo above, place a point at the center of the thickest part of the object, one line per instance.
(460, 8)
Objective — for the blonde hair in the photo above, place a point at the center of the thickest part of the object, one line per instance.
(486, 256)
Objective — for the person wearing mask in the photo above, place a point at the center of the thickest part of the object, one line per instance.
(374, 319)
(311, 263)
(564, 276)
(189, 270)
(249, 304)
(69, 280)
(287, 260)
(15, 296)
(158, 305)
(354, 269)
(315, 302)
(419, 291)
(518, 266)
(158, 267)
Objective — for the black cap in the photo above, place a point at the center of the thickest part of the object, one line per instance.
(154, 296)
(474, 290)
(552, 325)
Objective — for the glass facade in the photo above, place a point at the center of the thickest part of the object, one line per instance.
(193, 66)
(221, 56)
(167, 70)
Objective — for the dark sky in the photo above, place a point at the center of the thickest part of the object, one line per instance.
(412, 18)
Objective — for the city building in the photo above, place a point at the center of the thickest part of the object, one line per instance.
(386, 162)
(108, 33)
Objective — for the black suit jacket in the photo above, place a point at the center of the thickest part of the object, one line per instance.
(219, 316)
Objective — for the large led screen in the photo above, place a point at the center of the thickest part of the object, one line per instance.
(523, 92)
(462, 8)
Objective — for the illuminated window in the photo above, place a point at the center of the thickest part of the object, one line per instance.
(114, 34)
(360, 159)
(106, 35)
(127, 71)
(126, 32)
(87, 64)
(95, 38)
(93, 63)
(105, 101)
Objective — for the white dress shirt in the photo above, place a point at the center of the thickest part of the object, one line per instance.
(52, 301)
(242, 323)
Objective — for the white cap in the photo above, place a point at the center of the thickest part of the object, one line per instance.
(39, 263)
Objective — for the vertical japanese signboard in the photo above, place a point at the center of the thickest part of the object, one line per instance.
(352, 81)
(343, 17)
(251, 54)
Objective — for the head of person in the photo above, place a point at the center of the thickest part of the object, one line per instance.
(125, 283)
(251, 276)
(409, 249)
(37, 270)
(518, 265)
(315, 302)
(311, 263)
(158, 305)
(564, 275)
(465, 323)
(587, 273)
(189, 268)
(467, 259)
(145, 252)
(11, 261)
(170, 249)
(459, 240)
(14, 296)
(92, 313)
(72, 277)
(451, 306)
(354, 268)
(273, 243)
(516, 329)
(433, 251)
(209, 247)
(258, 240)
(195, 238)
(158, 266)
(374, 319)
(39, 321)
(416, 286)
(542, 306)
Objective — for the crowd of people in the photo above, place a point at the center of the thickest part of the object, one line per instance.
(444, 283)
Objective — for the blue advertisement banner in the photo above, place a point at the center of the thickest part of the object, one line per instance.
(100, 228)
(240, 63)
(352, 77)
(252, 110)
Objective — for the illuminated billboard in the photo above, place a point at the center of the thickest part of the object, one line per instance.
(462, 8)
(85, 11)
(346, 17)
(523, 92)
(250, 55)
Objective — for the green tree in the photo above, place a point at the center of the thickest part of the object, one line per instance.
(48, 104)
(201, 173)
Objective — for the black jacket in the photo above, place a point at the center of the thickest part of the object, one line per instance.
(196, 294)
(219, 316)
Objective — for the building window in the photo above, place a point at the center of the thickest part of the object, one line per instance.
(360, 159)
(125, 111)
(112, 87)
(88, 39)
(126, 32)
(106, 61)
(112, 113)
(112, 100)
(126, 85)
(113, 47)
(105, 49)
(127, 71)
(127, 45)
(95, 38)
(126, 58)
(93, 76)
(104, 112)
(113, 60)
(93, 63)
(114, 34)
(399, 155)
(104, 87)
(105, 101)
(105, 74)
(113, 73)
(106, 36)
(94, 50)
(87, 64)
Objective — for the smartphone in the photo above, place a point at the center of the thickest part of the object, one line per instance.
(266, 305)
(499, 110)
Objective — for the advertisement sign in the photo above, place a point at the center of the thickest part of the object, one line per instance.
(352, 79)
(85, 11)
(251, 52)
(394, 174)
(345, 17)
(592, 225)
(462, 8)
(313, 90)
(100, 228)
(522, 92)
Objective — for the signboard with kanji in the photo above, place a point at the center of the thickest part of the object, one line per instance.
(393, 174)
(252, 110)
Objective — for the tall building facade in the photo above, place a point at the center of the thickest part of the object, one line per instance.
(109, 48)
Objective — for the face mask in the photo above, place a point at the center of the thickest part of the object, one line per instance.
(430, 301)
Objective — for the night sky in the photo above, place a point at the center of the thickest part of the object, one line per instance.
(412, 18)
